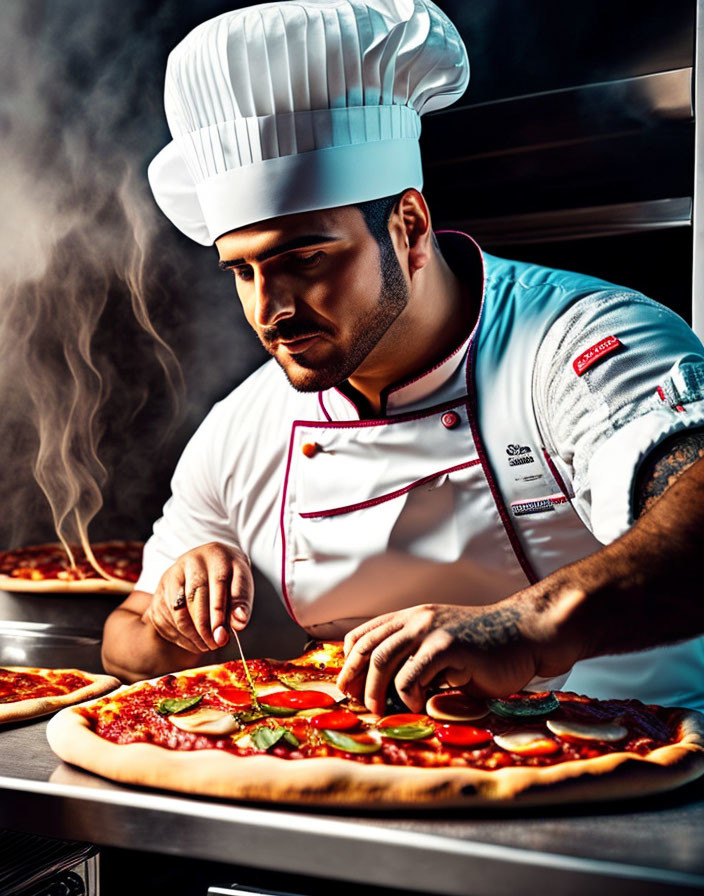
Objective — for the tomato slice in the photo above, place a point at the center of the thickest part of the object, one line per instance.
(299, 699)
(236, 696)
(401, 719)
(338, 719)
(462, 735)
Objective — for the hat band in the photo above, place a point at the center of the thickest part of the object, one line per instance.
(323, 178)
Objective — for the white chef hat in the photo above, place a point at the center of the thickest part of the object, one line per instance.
(307, 104)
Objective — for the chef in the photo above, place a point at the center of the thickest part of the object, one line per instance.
(474, 470)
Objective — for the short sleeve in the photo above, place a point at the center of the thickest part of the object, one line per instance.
(195, 513)
(614, 375)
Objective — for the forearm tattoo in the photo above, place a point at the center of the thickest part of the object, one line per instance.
(490, 629)
(662, 467)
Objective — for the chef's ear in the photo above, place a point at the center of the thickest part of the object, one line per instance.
(411, 231)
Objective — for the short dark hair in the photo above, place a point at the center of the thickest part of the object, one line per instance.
(376, 215)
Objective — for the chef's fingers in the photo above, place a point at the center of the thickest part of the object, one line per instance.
(434, 659)
(383, 664)
(355, 634)
(213, 622)
(160, 615)
(358, 657)
(241, 592)
(197, 614)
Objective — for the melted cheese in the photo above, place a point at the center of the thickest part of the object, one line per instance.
(604, 731)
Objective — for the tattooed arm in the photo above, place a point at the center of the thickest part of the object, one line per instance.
(662, 467)
(646, 585)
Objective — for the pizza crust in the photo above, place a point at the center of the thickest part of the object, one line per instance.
(93, 585)
(63, 586)
(341, 782)
(66, 586)
(33, 707)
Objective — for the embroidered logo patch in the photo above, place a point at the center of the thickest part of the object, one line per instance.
(537, 505)
(587, 359)
(518, 455)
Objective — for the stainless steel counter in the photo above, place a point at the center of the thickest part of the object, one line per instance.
(651, 846)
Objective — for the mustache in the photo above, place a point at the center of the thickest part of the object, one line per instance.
(287, 330)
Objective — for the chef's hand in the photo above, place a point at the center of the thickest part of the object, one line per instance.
(206, 589)
(488, 651)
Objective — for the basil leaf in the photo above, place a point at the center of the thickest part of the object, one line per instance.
(264, 738)
(344, 742)
(170, 706)
(291, 738)
(247, 716)
(408, 732)
(282, 711)
(524, 707)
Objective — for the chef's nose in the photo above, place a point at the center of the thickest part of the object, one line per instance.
(273, 301)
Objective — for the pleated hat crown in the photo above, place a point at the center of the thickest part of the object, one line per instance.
(293, 106)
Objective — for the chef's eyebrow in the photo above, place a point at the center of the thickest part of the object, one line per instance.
(299, 242)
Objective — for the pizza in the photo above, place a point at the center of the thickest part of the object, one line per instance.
(293, 737)
(47, 568)
(27, 692)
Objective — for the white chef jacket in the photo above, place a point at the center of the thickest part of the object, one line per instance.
(517, 454)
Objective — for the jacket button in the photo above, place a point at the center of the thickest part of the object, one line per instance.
(310, 449)
(450, 419)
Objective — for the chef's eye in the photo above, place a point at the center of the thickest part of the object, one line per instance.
(244, 273)
(309, 261)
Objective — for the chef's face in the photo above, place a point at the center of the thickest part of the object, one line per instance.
(318, 290)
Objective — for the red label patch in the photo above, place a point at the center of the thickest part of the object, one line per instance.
(595, 353)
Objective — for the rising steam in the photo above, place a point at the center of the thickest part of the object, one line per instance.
(77, 288)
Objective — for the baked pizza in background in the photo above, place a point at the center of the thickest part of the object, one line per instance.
(297, 739)
(27, 692)
(48, 568)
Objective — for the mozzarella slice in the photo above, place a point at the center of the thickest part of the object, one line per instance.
(524, 741)
(456, 708)
(205, 721)
(606, 731)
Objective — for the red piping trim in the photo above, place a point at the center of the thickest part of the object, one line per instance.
(322, 406)
(556, 475)
(476, 435)
(347, 399)
(349, 508)
(381, 421)
(388, 391)
(284, 589)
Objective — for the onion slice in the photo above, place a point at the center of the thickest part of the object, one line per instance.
(206, 721)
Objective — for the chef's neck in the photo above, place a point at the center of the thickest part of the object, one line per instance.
(438, 317)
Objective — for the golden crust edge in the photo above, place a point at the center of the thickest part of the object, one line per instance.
(339, 782)
(59, 586)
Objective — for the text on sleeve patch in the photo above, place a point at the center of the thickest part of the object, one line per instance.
(595, 353)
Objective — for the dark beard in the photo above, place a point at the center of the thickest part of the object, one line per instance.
(393, 298)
